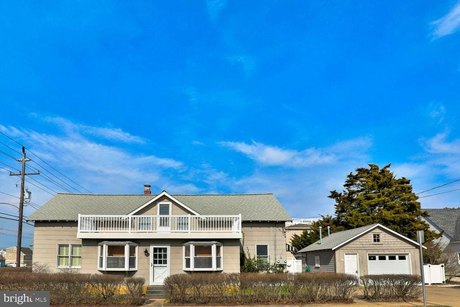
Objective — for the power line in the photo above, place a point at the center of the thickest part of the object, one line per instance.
(445, 192)
(6, 145)
(65, 186)
(7, 165)
(12, 215)
(437, 187)
(8, 155)
(9, 194)
(49, 165)
(38, 185)
(59, 172)
(15, 220)
(11, 138)
(54, 181)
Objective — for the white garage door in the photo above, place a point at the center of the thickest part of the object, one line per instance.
(388, 264)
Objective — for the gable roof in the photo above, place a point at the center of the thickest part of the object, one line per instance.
(164, 194)
(339, 239)
(252, 207)
(444, 220)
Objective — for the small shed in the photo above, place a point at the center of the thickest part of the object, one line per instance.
(372, 249)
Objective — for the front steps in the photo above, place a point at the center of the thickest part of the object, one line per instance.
(155, 293)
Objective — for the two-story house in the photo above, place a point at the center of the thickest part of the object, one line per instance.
(154, 236)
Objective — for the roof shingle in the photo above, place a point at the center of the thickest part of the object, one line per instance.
(252, 207)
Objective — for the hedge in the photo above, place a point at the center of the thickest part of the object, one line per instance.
(391, 287)
(260, 288)
(76, 289)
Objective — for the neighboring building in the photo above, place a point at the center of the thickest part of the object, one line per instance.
(296, 227)
(26, 256)
(372, 249)
(154, 236)
(447, 222)
(2, 258)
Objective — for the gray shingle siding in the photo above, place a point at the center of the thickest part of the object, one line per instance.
(327, 261)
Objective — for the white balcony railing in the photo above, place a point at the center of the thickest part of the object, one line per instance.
(137, 224)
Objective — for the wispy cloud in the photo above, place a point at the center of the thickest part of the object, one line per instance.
(215, 8)
(97, 166)
(448, 24)
(438, 144)
(276, 156)
(115, 134)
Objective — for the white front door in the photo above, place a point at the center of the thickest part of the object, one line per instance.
(351, 264)
(159, 264)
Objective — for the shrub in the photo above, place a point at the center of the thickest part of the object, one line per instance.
(76, 289)
(260, 288)
(391, 287)
(201, 288)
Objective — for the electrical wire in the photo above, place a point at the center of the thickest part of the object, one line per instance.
(9, 194)
(39, 186)
(16, 220)
(6, 145)
(62, 174)
(445, 192)
(44, 169)
(8, 155)
(437, 187)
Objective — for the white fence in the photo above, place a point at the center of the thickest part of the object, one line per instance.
(294, 266)
(434, 274)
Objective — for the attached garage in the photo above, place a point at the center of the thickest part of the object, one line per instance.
(388, 264)
(369, 250)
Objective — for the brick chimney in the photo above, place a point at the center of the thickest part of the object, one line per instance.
(147, 189)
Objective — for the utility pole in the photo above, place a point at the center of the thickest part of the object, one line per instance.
(23, 175)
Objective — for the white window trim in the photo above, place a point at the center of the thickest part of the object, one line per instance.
(458, 258)
(213, 255)
(317, 263)
(268, 251)
(70, 256)
(164, 203)
(126, 255)
(379, 237)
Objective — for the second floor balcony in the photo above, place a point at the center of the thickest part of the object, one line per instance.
(159, 226)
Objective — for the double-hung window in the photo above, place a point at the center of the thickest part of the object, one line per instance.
(262, 252)
(117, 256)
(69, 256)
(203, 256)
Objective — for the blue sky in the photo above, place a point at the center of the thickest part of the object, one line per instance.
(228, 97)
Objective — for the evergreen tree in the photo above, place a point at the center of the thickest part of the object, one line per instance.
(310, 236)
(372, 195)
(375, 195)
